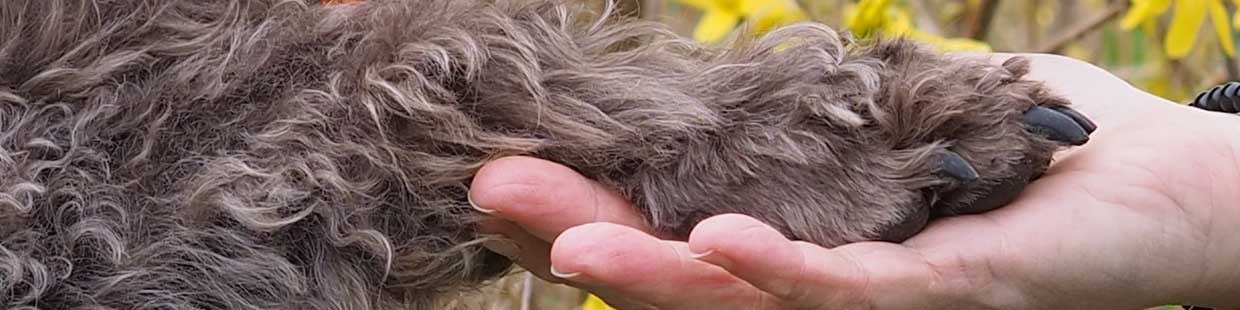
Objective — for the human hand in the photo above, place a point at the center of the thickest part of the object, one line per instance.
(1142, 215)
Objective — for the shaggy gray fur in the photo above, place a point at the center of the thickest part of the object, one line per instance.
(285, 154)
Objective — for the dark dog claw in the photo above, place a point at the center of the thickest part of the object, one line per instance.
(954, 166)
(1080, 119)
(907, 227)
(1056, 125)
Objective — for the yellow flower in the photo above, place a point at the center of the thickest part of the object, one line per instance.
(722, 16)
(594, 303)
(1185, 22)
(868, 16)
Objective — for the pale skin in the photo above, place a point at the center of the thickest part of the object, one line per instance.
(1145, 214)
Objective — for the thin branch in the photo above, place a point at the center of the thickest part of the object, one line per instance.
(527, 291)
(1233, 72)
(979, 21)
(1033, 32)
(1087, 27)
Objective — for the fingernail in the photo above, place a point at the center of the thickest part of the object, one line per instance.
(562, 275)
(700, 255)
(470, 197)
(507, 249)
(709, 257)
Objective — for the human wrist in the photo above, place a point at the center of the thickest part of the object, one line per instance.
(1219, 283)
(1213, 207)
(1220, 280)
(1170, 227)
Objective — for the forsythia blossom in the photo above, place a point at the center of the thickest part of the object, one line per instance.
(1185, 23)
(721, 17)
(868, 16)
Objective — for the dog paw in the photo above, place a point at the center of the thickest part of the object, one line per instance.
(872, 152)
(1060, 124)
(991, 146)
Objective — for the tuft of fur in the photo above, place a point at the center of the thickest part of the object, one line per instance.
(287, 154)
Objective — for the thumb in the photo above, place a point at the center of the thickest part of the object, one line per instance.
(867, 275)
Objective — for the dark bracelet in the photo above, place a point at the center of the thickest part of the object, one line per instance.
(1222, 98)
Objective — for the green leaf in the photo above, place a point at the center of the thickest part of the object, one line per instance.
(1139, 44)
(1110, 47)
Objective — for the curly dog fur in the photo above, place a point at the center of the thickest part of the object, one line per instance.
(287, 154)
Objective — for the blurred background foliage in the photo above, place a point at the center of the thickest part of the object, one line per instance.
(1171, 48)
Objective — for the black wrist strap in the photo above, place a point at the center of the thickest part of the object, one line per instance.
(1222, 98)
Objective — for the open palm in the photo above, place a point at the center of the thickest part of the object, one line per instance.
(1142, 215)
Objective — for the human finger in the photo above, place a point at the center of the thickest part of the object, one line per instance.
(658, 273)
(867, 275)
(760, 255)
(547, 198)
(523, 248)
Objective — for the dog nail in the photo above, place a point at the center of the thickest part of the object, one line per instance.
(908, 227)
(954, 166)
(1057, 126)
(1080, 119)
(506, 248)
